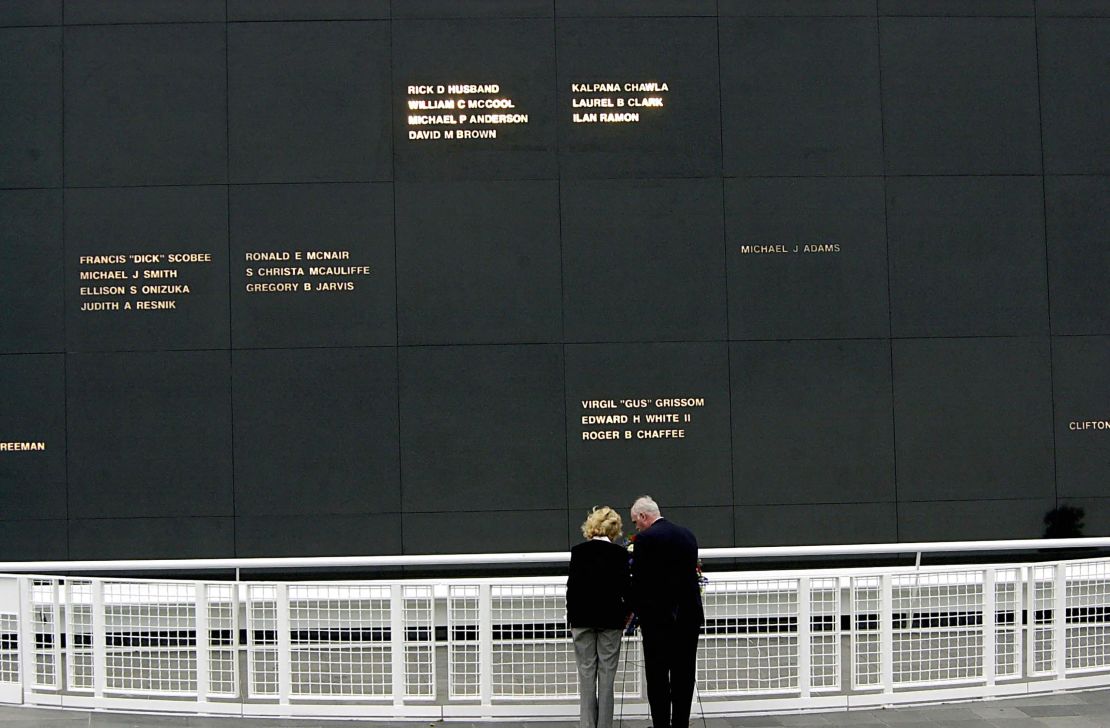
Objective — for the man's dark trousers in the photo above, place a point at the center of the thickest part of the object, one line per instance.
(670, 661)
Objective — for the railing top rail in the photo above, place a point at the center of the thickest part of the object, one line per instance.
(536, 557)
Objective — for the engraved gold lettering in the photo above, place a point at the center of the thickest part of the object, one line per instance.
(22, 446)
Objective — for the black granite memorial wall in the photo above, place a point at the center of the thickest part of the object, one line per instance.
(339, 277)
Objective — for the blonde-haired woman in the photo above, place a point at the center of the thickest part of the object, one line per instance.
(597, 610)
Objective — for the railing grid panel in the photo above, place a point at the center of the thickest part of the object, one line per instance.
(419, 620)
(628, 683)
(9, 648)
(340, 641)
(1088, 617)
(462, 641)
(262, 640)
(150, 640)
(920, 631)
(532, 654)
(825, 634)
(46, 623)
(79, 635)
(1007, 606)
(750, 642)
(223, 638)
(938, 628)
(1043, 634)
(867, 619)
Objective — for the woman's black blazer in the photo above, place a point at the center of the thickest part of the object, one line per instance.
(597, 588)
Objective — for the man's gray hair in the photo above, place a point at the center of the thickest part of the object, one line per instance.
(645, 504)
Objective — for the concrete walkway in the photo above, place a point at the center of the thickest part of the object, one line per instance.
(1065, 710)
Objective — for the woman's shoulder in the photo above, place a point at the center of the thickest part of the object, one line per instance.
(584, 546)
(598, 546)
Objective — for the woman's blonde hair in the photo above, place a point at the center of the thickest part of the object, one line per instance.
(602, 521)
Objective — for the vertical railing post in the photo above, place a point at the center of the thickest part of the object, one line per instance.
(805, 672)
(240, 619)
(1030, 603)
(99, 639)
(27, 639)
(1060, 621)
(485, 644)
(1022, 576)
(397, 641)
(886, 634)
(989, 628)
(60, 604)
(200, 624)
(239, 672)
(284, 645)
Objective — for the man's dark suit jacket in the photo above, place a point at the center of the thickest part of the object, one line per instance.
(597, 588)
(665, 587)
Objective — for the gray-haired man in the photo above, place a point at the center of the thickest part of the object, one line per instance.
(666, 596)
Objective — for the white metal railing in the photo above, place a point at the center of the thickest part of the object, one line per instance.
(460, 648)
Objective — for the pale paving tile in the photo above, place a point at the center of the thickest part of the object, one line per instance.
(1072, 721)
(998, 713)
(24, 714)
(855, 718)
(754, 721)
(1014, 723)
(950, 713)
(1055, 699)
(903, 716)
(708, 722)
(1054, 711)
(103, 720)
(803, 719)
